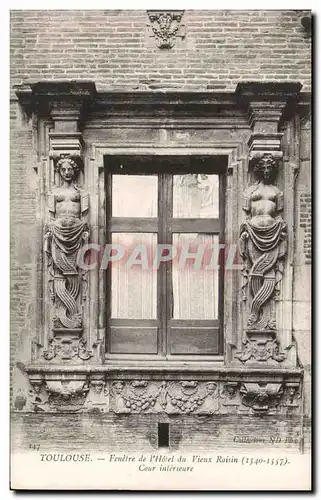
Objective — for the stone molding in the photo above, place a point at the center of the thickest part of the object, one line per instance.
(94, 392)
(265, 105)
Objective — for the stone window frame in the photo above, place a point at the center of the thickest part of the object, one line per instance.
(163, 320)
(98, 152)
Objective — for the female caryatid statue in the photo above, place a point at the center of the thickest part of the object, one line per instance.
(65, 235)
(263, 242)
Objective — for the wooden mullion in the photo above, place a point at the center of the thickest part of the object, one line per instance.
(194, 323)
(108, 181)
(133, 225)
(135, 323)
(222, 188)
(208, 226)
(169, 264)
(161, 272)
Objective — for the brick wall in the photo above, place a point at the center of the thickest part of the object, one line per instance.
(114, 49)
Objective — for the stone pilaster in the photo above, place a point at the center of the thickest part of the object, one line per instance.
(264, 232)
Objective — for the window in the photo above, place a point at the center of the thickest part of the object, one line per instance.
(165, 220)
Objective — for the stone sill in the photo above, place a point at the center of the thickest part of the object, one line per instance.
(165, 370)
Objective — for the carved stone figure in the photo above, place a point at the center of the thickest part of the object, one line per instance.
(66, 233)
(263, 243)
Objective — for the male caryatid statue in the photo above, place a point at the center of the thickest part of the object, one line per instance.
(65, 235)
(263, 242)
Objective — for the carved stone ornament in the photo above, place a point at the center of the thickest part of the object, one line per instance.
(66, 232)
(261, 398)
(97, 399)
(260, 350)
(166, 27)
(67, 347)
(292, 395)
(95, 394)
(263, 244)
(171, 397)
(67, 395)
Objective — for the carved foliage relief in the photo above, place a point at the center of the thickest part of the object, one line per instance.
(200, 397)
(172, 397)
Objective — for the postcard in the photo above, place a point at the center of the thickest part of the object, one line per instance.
(160, 177)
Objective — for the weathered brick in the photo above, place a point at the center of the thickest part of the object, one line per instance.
(265, 45)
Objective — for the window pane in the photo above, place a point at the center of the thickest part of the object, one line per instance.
(196, 196)
(195, 291)
(134, 196)
(133, 286)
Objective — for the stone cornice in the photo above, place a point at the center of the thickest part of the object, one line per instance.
(266, 103)
(161, 370)
(46, 96)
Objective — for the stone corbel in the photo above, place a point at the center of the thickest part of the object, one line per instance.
(67, 392)
(261, 398)
(59, 392)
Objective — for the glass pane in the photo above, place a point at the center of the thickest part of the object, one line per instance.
(133, 284)
(134, 196)
(196, 196)
(195, 288)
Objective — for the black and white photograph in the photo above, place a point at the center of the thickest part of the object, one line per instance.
(160, 249)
